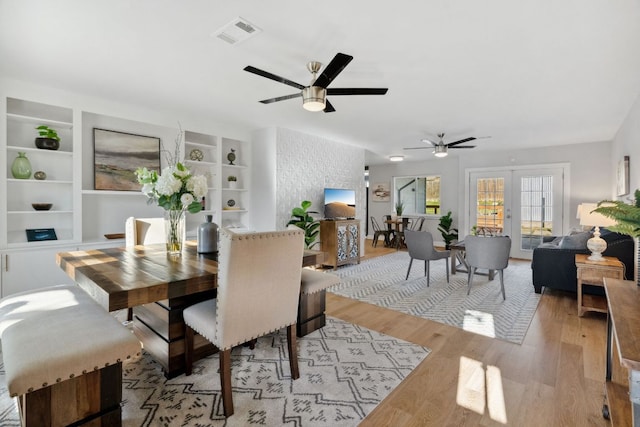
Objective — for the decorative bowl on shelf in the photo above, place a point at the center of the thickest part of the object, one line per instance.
(42, 206)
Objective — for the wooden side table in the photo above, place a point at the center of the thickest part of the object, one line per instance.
(593, 273)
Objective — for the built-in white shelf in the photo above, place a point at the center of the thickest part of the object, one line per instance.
(112, 193)
(37, 181)
(39, 150)
(39, 121)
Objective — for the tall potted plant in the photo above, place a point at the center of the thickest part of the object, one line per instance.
(444, 227)
(626, 215)
(301, 218)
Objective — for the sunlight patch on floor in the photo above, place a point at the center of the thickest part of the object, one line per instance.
(479, 322)
(480, 389)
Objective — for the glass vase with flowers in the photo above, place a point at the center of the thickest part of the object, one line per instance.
(177, 190)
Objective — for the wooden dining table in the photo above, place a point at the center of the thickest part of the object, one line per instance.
(157, 286)
(397, 222)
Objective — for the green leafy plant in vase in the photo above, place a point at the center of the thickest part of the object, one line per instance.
(449, 234)
(301, 218)
(399, 208)
(48, 139)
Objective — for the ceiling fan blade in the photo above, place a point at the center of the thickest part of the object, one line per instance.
(328, 108)
(281, 98)
(271, 76)
(332, 70)
(357, 91)
(462, 141)
(418, 148)
(463, 146)
(429, 141)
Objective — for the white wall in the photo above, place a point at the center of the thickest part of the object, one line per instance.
(627, 143)
(590, 164)
(263, 180)
(590, 177)
(447, 168)
(291, 166)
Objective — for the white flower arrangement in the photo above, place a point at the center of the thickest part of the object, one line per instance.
(176, 188)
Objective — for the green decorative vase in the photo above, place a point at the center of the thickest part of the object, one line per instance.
(21, 167)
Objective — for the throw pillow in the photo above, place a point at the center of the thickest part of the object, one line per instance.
(575, 241)
(548, 245)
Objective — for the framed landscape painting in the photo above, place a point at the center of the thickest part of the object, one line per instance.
(117, 155)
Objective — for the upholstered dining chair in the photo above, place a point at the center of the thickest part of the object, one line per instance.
(491, 253)
(259, 279)
(143, 231)
(420, 246)
(379, 231)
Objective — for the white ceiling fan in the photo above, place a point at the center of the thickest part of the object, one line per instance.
(440, 149)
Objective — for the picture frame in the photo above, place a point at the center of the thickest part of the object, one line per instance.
(380, 192)
(40, 234)
(117, 155)
(623, 177)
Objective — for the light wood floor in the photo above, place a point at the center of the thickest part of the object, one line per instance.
(555, 378)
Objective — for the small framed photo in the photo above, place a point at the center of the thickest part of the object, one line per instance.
(40, 234)
(117, 155)
(623, 177)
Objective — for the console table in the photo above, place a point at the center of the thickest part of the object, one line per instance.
(622, 395)
(340, 241)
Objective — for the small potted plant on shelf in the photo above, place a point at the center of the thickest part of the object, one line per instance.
(232, 180)
(48, 139)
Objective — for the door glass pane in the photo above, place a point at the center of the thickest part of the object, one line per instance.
(536, 210)
(490, 206)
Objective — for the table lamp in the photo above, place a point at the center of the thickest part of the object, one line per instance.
(596, 244)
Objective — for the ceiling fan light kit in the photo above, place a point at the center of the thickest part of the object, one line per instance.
(440, 151)
(313, 98)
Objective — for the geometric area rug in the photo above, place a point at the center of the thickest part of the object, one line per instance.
(345, 371)
(381, 281)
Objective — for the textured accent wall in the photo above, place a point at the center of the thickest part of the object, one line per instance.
(306, 164)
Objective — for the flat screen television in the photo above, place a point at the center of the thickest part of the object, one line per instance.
(339, 203)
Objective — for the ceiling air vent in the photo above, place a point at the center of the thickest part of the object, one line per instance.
(237, 31)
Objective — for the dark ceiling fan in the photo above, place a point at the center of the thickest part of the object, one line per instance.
(440, 148)
(314, 96)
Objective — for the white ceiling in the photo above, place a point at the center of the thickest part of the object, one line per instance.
(528, 73)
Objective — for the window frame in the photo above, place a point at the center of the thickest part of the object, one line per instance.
(413, 178)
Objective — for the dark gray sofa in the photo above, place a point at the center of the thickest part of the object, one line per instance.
(553, 264)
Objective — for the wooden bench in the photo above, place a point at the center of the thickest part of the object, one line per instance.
(63, 357)
(312, 303)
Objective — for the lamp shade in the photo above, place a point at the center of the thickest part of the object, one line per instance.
(593, 219)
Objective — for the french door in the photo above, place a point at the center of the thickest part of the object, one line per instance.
(525, 204)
